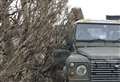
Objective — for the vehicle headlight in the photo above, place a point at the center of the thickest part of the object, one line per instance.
(81, 70)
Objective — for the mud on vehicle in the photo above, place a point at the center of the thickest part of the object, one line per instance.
(96, 54)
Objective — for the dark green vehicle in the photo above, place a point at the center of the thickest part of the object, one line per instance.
(96, 53)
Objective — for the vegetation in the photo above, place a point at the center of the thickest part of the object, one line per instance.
(29, 32)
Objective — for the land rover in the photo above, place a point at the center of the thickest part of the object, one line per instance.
(96, 52)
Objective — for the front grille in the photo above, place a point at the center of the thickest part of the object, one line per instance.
(105, 71)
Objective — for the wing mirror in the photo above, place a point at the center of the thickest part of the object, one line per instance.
(60, 56)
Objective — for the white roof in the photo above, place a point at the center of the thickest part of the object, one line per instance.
(99, 21)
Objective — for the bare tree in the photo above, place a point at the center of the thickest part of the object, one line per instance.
(29, 34)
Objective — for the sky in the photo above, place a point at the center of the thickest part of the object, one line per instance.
(97, 9)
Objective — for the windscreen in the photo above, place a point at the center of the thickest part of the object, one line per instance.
(97, 31)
